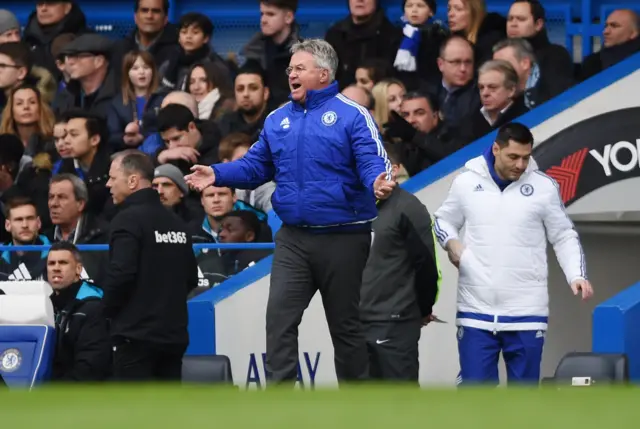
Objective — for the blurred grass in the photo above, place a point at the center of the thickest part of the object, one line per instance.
(152, 406)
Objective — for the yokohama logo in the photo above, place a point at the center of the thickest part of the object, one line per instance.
(567, 173)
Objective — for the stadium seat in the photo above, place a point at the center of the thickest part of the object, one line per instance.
(207, 369)
(27, 340)
(590, 369)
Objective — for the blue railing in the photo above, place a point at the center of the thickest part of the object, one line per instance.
(104, 247)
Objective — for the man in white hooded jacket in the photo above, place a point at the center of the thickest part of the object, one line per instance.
(508, 209)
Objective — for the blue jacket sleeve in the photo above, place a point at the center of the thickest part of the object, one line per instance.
(370, 155)
(252, 170)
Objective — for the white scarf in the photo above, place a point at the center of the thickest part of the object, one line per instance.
(206, 105)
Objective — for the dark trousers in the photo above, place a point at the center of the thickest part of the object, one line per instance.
(303, 263)
(393, 350)
(141, 361)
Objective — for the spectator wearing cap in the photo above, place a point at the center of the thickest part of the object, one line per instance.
(417, 57)
(553, 63)
(269, 49)
(196, 31)
(153, 33)
(169, 182)
(57, 46)
(48, 21)
(93, 85)
(9, 27)
(241, 226)
(251, 96)
(365, 33)
(423, 138)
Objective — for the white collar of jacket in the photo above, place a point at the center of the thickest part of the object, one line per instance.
(479, 165)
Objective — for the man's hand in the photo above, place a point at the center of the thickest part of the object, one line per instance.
(201, 178)
(428, 319)
(186, 153)
(455, 249)
(382, 187)
(584, 286)
(399, 128)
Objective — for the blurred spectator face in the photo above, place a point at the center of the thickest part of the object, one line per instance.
(417, 12)
(459, 15)
(10, 74)
(64, 208)
(239, 152)
(217, 202)
(493, 94)
(82, 65)
(619, 28)
(140, 74)
(274, 20)
(520, 21)
(59, 134)
(118, 183)
(78, 140)
(395, 94)
(363, 79)
(305, 75)
(199, 85)
(361, 9)
(26, 109)
(522, 67)
(511, 160)
(182, 98)
(251, 94)
(192, 38)
(419, 114)
(169, 193)
(356, 94)
(51, 12)
(456, 64)
(150, 18)
(10, 36)
(181, 138)
(23, 224)
(62, 269)
(234, 230)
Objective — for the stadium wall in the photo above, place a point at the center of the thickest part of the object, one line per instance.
(237, 329)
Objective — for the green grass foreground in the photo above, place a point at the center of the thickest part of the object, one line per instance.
(363, 407)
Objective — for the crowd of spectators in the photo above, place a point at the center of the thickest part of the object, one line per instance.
(71, 98)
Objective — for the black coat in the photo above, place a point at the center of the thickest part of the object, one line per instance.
(476, 126)
(40, 40)
(607, 57)
(457, 105)
(492, 30)
(175, 71)
(71, 97)
(233, 122)
(83, 345)
(119, 116)
(377, 38)
(152, 269)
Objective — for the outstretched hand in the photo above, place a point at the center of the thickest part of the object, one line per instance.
(382, 187)
(201, 178)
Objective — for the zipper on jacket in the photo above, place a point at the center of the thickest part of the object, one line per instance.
(495, 324)
(300, 164)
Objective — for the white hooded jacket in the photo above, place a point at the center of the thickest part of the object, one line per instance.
(502, 284)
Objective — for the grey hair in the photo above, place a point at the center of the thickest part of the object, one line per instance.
(80, 191)
(324, 54)
(521, 48)
(503, 67)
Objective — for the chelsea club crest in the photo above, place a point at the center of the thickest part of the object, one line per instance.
(526, 189)
(329, 118)
(10, 360)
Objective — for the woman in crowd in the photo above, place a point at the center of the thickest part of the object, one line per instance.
(204, 84)
(388, 94)
(372, 71)
(132, 116)
(469, 18)
(30, 118)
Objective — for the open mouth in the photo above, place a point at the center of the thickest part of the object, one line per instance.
(295, 86)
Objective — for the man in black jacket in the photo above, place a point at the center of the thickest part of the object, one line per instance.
(152, 269)
(399, 286)
(83, 346)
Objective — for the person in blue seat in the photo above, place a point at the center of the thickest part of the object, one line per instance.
(83, 345)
